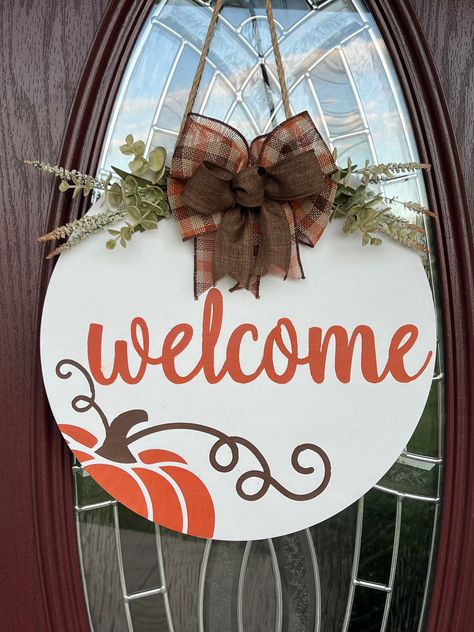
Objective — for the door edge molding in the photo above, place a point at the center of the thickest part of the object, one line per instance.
(452, 598)
(64, 606)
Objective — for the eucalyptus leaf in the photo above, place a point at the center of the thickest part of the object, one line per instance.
(163, 210)
(131, 185)
(142, 182)
(134, 213)
(136, 165)
(157, 158)
(115, 195)
(160, 176)
(138, 148)
(126, 150)
(149, 224)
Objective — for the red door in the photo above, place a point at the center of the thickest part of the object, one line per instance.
(62, 66)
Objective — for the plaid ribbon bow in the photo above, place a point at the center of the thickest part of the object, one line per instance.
(209, 153)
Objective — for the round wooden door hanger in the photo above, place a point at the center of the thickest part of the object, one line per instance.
(230, 417)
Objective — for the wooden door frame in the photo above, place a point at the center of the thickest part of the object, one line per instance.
(61, 605)
(53, 519)
(452, 599)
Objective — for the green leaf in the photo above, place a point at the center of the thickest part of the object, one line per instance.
(110, 245)
(88, 188)
(136, 165)
(157, 158)
(131, 185)
(114, 232)
(138, 148)
(126, 150)
(64, 186)
(163, 210)
(148, 224)
(374, 201)
(142, 182)
(353, 210)
(127, 233)
(129, 139)
(115, 194)
(131, 200)
(160, 176)
(123, 242)
(77, 190)
(134, 213)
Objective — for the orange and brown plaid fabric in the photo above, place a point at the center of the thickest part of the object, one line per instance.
(207, 139)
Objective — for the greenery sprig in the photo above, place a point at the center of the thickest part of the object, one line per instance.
(80, 181)
(138, 197)
(370, 213)
(80, 229)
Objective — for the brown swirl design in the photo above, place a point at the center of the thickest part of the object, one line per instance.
(116, 445)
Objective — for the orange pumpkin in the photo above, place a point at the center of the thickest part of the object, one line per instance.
(159, 486)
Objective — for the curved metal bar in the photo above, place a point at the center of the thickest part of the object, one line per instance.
(355, 565)
(278, 587)
(317, 581)
(202, 585)
(240, 589)
(161, 567)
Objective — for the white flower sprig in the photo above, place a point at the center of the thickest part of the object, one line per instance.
(78, 230)
(139, 196)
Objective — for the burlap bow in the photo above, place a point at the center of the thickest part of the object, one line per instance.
(248, 208)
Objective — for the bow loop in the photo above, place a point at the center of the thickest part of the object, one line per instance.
(214, 191)
(295, 178)
(209, 190)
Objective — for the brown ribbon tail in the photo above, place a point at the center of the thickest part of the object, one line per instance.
(275, 243)
(233, 247)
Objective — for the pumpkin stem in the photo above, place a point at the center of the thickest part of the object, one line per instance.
(115, 446)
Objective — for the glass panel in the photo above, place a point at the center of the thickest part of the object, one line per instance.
(369, 567)
(336, 96)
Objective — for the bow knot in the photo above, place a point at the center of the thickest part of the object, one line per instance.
(249, 186)
(212, 189)
(248, 207)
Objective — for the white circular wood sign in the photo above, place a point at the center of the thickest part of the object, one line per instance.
(230, 417)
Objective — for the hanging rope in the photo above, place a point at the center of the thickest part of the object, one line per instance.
(205, 52)
(278, 61)
(202, 62)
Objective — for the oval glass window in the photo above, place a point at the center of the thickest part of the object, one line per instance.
(368, 568)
